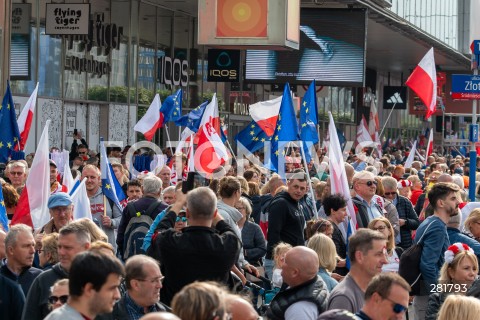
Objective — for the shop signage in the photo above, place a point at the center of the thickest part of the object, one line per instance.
(103, 36)
(21, 18)
(223, 65)
(394, 96)
(173, 71)
(67, 18)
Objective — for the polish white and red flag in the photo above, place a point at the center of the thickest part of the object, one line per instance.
(429, 145)
(423, 81)
(152, 120)
(211, 152)
(32, 206)
(265, 114)
(363, 137)
(25, 119)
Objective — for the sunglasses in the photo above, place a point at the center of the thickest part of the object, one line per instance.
(54, 299)
(183, 219)
(390, 193)
(397, 307)
(371, 183)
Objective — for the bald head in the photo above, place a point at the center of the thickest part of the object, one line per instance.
(445, 177)
(301, 265)
(160, 316)
(240, 308)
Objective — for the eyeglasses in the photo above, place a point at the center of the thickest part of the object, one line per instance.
(16, 173)
(183, 219)
(381, 228)
(397, 307)
(154, 280)
(370, 183)
(390, 193)
(54, 299)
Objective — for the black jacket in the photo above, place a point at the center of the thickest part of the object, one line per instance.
(285, 222)
(407, 212)
(120, 311)
(340, 245)
(141, 205)
(196, 253)
(36, 305)
(254, 245)
(11, 299)
(24, 279)
(313, 290)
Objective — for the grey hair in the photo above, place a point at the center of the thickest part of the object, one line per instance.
(152, 184)
(201, 203)
(169, 189)
(389, 183)
(15, 230)
(81, 232)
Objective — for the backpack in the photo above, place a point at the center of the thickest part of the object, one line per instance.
(409, 268)
(137, 228)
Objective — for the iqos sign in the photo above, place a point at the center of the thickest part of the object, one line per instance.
(223, 65)
(173, 71)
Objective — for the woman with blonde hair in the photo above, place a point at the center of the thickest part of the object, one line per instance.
(459, 307)
(327, 257)
(456, 276)
(201, 301)
(95, 232)
(48, 255)
(472, 224)
(384, 226)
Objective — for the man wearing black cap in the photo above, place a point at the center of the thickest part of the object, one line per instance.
(55, 186)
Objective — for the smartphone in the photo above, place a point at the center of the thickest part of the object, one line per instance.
(75, 132)
(188, 185)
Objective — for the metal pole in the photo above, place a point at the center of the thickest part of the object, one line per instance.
(473, 153)
(388, 118)
(309, 182)
(443, 128)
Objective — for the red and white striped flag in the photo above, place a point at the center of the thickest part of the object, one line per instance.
(423, 81)
(32, 206)
(25, 119)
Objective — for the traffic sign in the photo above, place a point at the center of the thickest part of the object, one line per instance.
(475, 47)
(473, 133)
(465, 86)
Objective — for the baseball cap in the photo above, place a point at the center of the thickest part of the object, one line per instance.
(59, 199)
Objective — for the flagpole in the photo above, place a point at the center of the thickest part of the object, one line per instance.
(231, 150)
(169, 141)
(104, 205)
(388, 118)
(315, 214)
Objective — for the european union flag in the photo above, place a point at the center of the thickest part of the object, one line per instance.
(309, 120)
(286, 129)
(252, 137)
(172, 107)
(110, 186)
(3, 213)
(9, 134)
(193, 119)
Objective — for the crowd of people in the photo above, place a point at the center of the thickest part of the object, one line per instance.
(249, 244)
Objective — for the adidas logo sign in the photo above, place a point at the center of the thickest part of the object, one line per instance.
(395, 98)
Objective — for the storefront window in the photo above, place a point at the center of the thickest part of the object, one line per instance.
(119, 57)
(49, 70)
(75, 83)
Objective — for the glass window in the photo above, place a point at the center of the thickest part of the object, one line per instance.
(49, 70)
(146, 52)
(75, 81)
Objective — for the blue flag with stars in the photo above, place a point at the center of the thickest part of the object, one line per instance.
(309, 120)
(286, 129)
(172, 107)
(9, 134)
(193, 119)
(110, 186)
(252, 137)
(3, 213)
